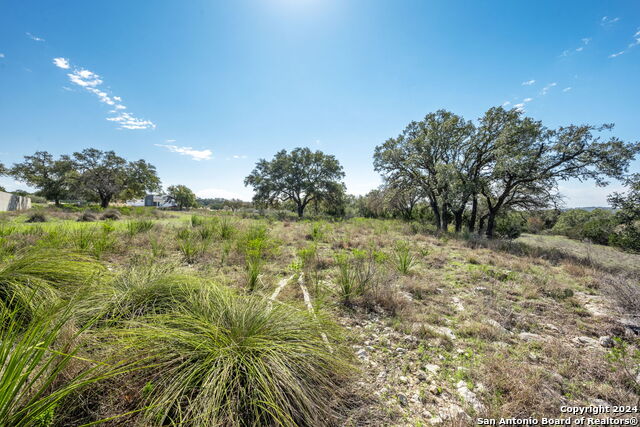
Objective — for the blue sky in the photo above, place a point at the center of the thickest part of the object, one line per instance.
(203, 88)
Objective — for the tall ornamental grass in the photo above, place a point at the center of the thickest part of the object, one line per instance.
(229, 359)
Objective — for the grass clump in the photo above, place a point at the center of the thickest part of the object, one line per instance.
(403, 260)
(111, 214)
(87, 216)
(226, 359)
(139, 291)
(42, 368)
(138, 226)
(40, 277)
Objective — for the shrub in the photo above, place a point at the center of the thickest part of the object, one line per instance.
(225, 359)
(37, 217)
(626, 236)
(510, 225)
(110, 214)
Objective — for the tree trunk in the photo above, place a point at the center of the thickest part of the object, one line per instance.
(474, 213)
(57, 202)
(436, 214)
(458, 219)
(300, 210)
(445, 219)
(104, 202)
(481, 223)
(491, 223)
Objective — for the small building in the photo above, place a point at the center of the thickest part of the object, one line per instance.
(153, 200)
(159, 201)
(12, 202)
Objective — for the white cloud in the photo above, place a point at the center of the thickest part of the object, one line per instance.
(614, 55)
(527, 100)
(61, 63)
(546, 89)
(585, 41)
(608, 21)
(84, 78)
(213, 193)
(1, 55)
(90, 81)
(567, 89)
(128, 121)
(188, 151)
(519, 107)
(239, 156)
(528, 83)
(35, 38)
(505, 103)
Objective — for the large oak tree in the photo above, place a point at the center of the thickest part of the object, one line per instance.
(54, 178)
(105, 176)
(301, 176)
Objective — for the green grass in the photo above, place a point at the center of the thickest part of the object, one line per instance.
(598, 255)
(35, 379)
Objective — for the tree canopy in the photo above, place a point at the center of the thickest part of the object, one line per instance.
(54, 178)
(301, 176)
(182, 196)
(105, 176)
(507, 161)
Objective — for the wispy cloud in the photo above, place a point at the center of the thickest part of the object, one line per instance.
(519, 107)
(90, 81)
(584, 42)
(527, 100)
(567, 89)
(1, 55)
(631, 45)
(239, 156)
(506, 103)
(61, 63)
(187, 151)
(608, 21)
(528, 83)
(548, 87)
(35, 38)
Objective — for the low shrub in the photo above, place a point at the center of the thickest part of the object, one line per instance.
(37, 217)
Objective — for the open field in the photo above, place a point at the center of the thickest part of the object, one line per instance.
(220, 319)
(603, 256)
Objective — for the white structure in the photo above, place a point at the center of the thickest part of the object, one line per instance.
(156, 200)
(11, 202)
